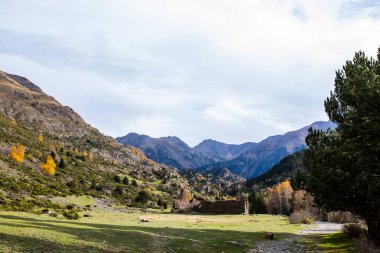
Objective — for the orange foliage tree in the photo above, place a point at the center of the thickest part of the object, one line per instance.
(278, 198)
(48, 167)
(17, 153)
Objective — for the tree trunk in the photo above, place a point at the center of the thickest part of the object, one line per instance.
(373, 224)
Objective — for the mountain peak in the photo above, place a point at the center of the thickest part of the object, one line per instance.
(24, 82)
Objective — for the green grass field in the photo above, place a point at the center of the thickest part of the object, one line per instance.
(123, 232)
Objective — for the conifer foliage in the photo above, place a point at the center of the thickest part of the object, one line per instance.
(343, 166)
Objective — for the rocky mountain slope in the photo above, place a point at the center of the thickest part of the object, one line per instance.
(265, 154)
(86, 162)
(222, 150)
(216, 182)
(171, 151)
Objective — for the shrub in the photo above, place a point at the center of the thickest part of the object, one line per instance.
(134, 183)
(301, 217)
(143, 197)
(118, 191)
(17, 153)
(45, 211)
(48, 167)
(71, 215)
(70, 206)
(117, 179)
(99, 187)
(162, 203)
(355, 230)
(126, 181)
(62, 164)
(53, 214)
(341, 217)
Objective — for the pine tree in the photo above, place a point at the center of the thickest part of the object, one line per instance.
(343, 166)
(256, 203)
(126, 181)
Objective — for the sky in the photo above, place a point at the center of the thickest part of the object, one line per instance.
(229, 70)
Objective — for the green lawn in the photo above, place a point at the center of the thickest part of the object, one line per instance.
(123, 232)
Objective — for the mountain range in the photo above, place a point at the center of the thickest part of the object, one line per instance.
(174, 152)
(247, 160)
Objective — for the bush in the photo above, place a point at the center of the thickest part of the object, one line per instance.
(301, 217)
(143, 197)
(71, 215)
(118, 191)
(70, 206)
(134, 183)
(355, 230)
(162, 203)
(126, 181)
(53, 214)
(117, 179)
(341, 217)
(62, 164)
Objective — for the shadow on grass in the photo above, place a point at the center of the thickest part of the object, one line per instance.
(332, 243)
(73, 236)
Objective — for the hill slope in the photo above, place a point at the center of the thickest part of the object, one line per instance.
(286, 168)
(87, 161)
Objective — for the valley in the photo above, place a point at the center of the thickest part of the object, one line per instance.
(172, 126)
(165, 232)
(65, 187)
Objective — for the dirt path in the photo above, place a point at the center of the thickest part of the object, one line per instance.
(293, 243)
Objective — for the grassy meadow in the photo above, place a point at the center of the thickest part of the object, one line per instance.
(124, 232)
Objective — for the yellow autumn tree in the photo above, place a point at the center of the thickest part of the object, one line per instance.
(85, 153)
(48, 167)
(13, 121)
(278, 198)
(40, 137)
(17, 153)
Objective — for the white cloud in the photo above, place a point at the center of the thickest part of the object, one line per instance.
(230, 70)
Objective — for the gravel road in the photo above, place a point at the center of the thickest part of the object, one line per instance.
(292, 244)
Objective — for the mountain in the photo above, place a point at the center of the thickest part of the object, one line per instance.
(224, 151)
(286, 168)
(268, 152)
(87, 162)
(171, 151)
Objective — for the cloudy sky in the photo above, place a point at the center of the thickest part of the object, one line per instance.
(233, 71)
